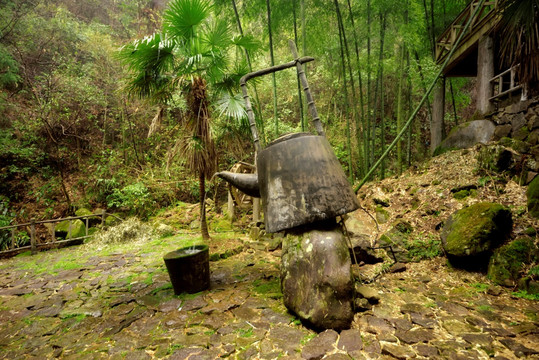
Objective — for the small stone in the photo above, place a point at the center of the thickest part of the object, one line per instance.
(371, 344)
(378, 326)
(456, 327)
(426, 350)
(350, 340)
(423, 321)
(397, 268)
(337, 356)
(171, 305)
(484, 340)
(368, 293)
(399, 352)
(320, 345)
(362, 305)
(414, 336)
(401, 324)
(516, 347)
(412, 308)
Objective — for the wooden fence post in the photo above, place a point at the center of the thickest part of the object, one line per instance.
(103, 218)
(69, 230)
(53, 230)
(33, 236)
(87, 225)
(13, 238)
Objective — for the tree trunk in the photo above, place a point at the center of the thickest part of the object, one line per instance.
(369, 104)
(436, 130)
(361, 100)
(399, 109)
(203, 223)
(300, 96)
(346, 104)
(260, 123)
(272, 57)
(354, 102)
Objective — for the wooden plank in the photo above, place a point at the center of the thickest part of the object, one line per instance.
(518, 87)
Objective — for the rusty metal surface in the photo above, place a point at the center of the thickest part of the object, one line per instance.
(301, 182)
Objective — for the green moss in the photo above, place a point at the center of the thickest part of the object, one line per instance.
(476, 229)
(442, 150)
(78, 229)
(382, 215)
(271, 288)
(525, 295)
(508, 261)
(494, 158)
(461, 194)
(517, 145)
(533, 197)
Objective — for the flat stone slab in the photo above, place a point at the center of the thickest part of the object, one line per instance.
(132, 310)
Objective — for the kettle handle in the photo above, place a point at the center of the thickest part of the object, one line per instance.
(310, 101)
(298, 62)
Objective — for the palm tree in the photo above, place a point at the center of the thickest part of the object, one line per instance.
(519, 30)
(191, 55)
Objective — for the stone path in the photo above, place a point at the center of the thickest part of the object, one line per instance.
(117, 303)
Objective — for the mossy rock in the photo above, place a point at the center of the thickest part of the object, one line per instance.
(83, 212)
(471, 234)
(382, 215)
(78, 229)
(533, 197)
(221, 224)
(462, 194)
(111, 220)
(509, 261)
(92, 220)
(494, 158)
(515, 144)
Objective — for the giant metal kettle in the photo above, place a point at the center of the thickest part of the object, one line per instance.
(298, 175)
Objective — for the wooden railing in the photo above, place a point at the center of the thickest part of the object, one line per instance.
(505, 83)
(451, 34)
(13, 231)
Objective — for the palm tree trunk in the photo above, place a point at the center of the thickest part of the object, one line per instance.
(203, 222)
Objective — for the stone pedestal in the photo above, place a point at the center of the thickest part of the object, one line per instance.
(316, 277)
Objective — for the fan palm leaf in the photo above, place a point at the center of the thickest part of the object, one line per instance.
(183, 18)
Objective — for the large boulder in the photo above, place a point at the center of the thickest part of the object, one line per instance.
(62, 230)
(316, 277)
(533, 197)
(471, 234)
(468, 134)
(509, 262)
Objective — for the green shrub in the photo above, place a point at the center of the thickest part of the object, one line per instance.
(135, 199)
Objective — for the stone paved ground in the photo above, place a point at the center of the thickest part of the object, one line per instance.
(116, 302)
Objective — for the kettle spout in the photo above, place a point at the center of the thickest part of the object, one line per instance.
(246, 183)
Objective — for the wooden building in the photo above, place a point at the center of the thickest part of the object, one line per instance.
(477, 55)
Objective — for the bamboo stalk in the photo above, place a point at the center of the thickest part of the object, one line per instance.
(403, 130)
